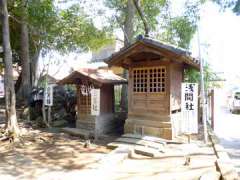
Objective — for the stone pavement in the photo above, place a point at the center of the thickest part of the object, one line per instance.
(227, 129)
(169, 163)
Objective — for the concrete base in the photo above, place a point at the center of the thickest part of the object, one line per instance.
(164, 132)
(102, 124)
(166, 127)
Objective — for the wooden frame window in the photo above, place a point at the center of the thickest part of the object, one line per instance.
(151, 80)
(85, 103)
(140, 77)
(84, 100)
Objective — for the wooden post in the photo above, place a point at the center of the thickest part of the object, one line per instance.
(49, 116)
(212, 109)
(189, 138)
(187, 157)
(202, 100)
(44, 115)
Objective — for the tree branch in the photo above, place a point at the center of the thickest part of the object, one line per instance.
(142, 16)
(121, 26)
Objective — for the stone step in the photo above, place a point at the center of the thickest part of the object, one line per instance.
(147, 138)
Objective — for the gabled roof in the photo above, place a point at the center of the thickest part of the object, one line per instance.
(96, 77)
(50, 79)
(177, 54)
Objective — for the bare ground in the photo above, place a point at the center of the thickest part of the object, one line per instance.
(40, 152)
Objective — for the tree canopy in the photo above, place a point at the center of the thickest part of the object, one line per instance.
(174, 29)
(52, 28)
(232, 4)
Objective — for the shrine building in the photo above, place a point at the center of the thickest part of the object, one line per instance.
(95, 99)
(155, 73)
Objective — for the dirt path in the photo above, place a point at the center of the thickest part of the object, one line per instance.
(42, 153)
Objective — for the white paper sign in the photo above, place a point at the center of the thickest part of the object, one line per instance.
(48, 95)
(189, 106)
(2, 92)
(95, 102)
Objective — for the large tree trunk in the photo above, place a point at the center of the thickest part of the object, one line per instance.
(25, 81)
(34, 68)
(129, 23)
(128, 38)
(10, 101)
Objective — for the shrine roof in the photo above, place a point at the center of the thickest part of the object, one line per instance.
(95, 77)
(143, 44)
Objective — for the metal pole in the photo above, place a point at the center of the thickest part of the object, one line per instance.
(212, 108)
(202, 97)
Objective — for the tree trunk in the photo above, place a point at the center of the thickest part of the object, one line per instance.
(25, 81)
(10, 101)
(34, 68)
(128, 38)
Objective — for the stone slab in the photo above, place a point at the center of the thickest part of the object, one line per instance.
(115, 145)
(78, 132)
(140, 142)
(151, 138)
(145, 151)
(211, 175)
(227, 170)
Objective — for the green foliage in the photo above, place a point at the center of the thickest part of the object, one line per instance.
(51, 28)
(68, 30)
(180, 32)
(236, 8)
(193, 76)
(177, 30)
(152, 10)
(77, 31)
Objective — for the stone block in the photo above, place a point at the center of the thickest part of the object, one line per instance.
(152, 131)
(128, 128)
(167, 133)
(145, 151)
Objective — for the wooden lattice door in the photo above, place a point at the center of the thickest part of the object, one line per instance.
(149, 86)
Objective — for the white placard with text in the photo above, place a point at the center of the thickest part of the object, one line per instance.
(2, 91)
(48, 95)
(95, 102)
(189, 107)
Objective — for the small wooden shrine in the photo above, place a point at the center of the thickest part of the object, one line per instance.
(155, 74)
(100, 121)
